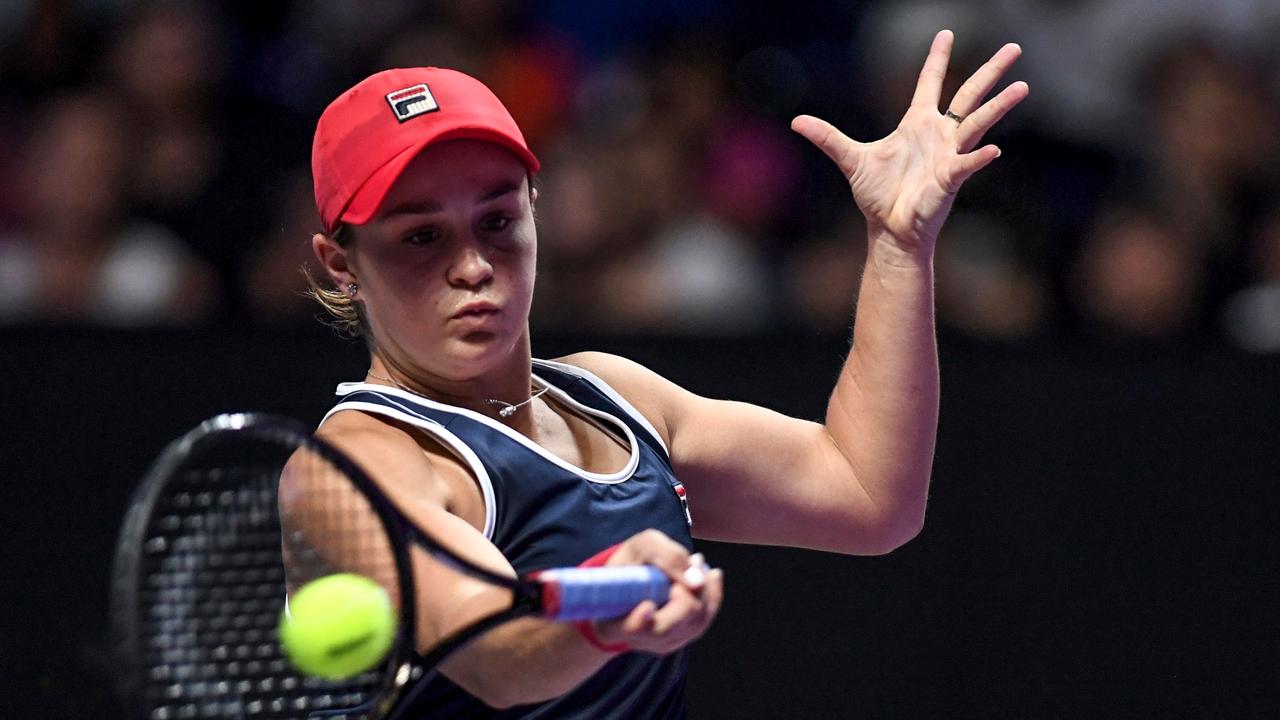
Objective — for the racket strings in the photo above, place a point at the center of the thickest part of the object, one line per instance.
(331, 527)
(212, 586)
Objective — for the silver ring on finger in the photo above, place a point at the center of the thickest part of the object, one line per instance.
(953, 116)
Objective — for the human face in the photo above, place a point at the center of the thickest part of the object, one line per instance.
(446, 268)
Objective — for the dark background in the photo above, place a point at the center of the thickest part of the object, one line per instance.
(1100, 539)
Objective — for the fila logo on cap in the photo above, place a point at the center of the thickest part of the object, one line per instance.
(412, 102)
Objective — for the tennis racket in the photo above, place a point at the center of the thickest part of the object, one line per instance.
(214, 540)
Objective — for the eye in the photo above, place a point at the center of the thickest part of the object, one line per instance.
(495, 223)
(423, 236)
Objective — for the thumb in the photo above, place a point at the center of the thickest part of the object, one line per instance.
(843, 150)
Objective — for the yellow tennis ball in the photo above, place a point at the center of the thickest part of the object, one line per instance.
(337, 626)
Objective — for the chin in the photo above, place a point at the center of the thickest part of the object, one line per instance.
(476, 353)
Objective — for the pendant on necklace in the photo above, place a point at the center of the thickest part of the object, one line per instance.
(506, 409)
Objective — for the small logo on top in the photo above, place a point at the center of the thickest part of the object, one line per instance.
(684, 501)
(412, 102)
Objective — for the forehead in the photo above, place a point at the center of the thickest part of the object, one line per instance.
(457, 166)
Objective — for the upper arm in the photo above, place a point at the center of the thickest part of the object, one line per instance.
(753, 475)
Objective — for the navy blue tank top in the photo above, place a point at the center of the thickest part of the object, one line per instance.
(541, 512)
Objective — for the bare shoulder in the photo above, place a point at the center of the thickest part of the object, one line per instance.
(370, 439)
(402, 461)
(344, 428)
(647, 391)
(610, 368)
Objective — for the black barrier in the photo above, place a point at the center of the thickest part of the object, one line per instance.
(1101, 536)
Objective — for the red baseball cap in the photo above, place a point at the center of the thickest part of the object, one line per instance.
(369, 135)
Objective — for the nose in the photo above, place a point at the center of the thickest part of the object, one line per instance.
(470, 267)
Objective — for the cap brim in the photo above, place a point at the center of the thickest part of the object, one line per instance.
(368, 198)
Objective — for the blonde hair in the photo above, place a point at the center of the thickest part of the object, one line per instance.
(345, 314)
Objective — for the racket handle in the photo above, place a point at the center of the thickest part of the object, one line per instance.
(599, 593)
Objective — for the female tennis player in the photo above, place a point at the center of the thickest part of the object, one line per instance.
(422, 181)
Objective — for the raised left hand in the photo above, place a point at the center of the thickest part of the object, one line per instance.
(905, 182)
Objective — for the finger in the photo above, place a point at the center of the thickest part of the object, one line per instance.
(971, 93)
(984, 118)
(682, 608)
(639, 620)
(844, 151)
(713, 593)
(934, 72)
(696, 622)
(651, 547)
(966, 165)
(695, 576)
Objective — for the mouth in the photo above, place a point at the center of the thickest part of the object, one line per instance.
(476, 311)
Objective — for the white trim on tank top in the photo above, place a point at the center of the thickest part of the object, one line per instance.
(452, 443)
(609, 392)
(633, 461)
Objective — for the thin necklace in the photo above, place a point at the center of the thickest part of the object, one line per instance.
(505, 409)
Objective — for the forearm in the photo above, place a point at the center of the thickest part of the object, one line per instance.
(524, 661)
(531, 659)
(883, 414)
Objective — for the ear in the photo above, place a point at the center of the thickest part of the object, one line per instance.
(334, 259)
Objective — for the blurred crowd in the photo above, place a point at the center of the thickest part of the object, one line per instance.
(154, 158)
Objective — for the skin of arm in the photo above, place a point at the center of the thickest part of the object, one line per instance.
(858, 482)
(523, 661)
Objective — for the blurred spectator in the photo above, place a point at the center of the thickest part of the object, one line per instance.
(822, 277)
(43, 44)
(166, 67)
(673, 196)
(1214, 136)
(1252, 315)
(698, 276)
(1085, 57)
(536, 76)
(535, 73)
(705, 269)
(601, 204)
(688, 192)
(204, 159)
(273, 291)
(1139, 277)
(77, 255)
(984, 287)
(434, 45)
(1163, 273)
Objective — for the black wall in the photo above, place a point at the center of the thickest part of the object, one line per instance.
(1101, 536)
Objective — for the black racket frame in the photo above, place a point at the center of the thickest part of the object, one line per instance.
(403, 666)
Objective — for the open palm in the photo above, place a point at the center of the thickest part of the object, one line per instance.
(905, 182)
